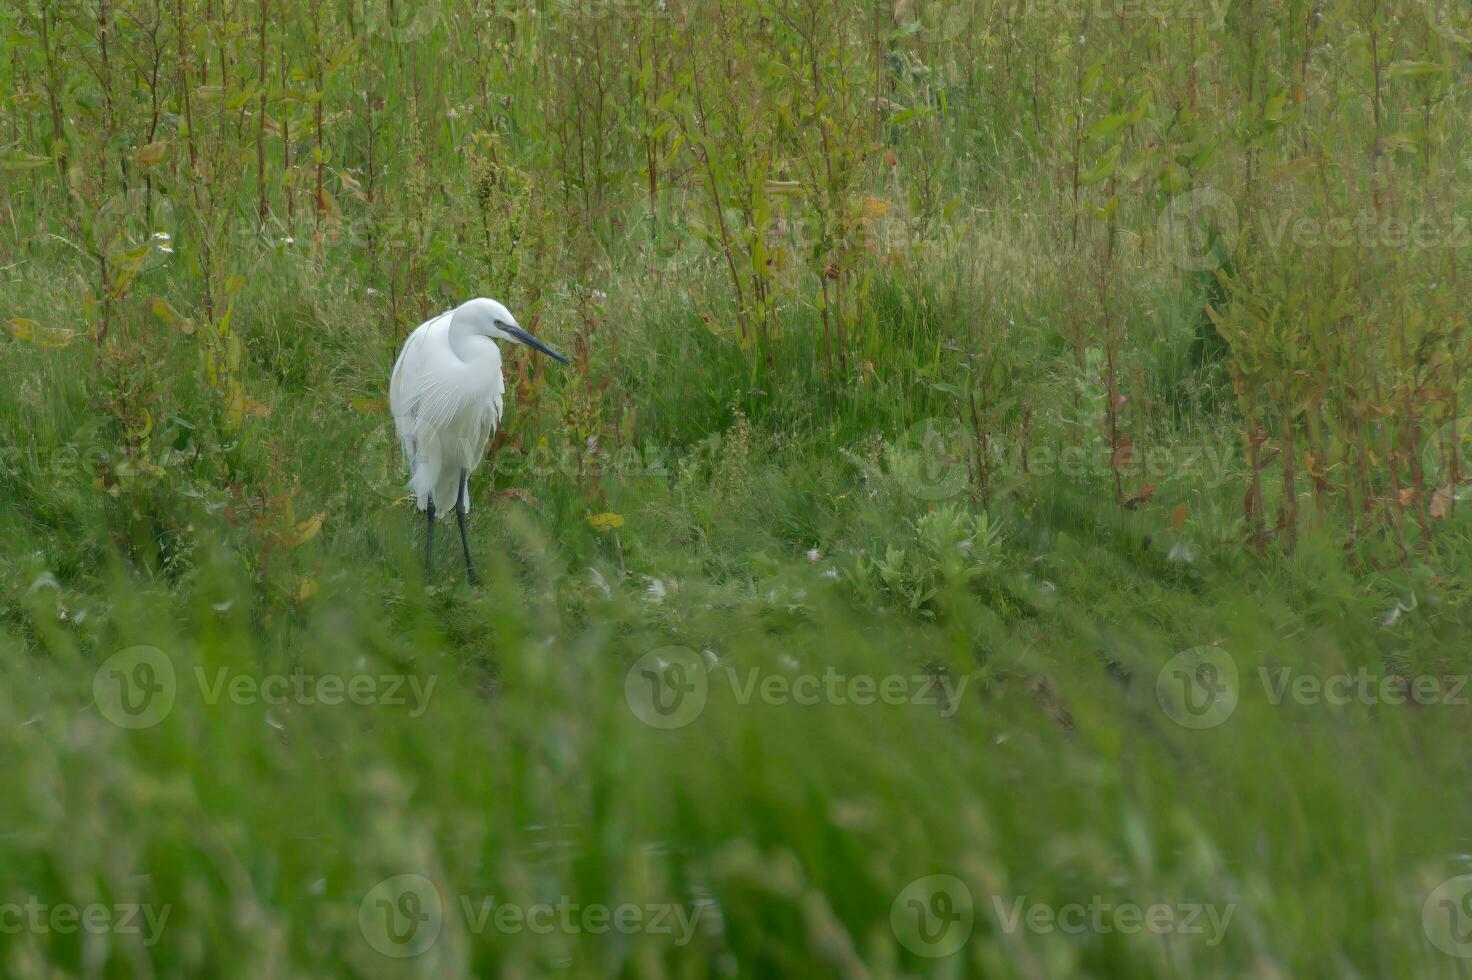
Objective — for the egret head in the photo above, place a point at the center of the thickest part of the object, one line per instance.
(488, 318)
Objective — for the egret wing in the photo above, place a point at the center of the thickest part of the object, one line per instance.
(488, 419)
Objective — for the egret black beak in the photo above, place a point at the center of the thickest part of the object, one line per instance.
(522, 337)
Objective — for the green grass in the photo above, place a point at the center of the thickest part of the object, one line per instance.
(516, 772)
(762, 681)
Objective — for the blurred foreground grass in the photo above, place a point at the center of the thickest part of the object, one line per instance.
(740, 740)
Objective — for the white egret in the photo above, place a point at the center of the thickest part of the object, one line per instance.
(446, 396)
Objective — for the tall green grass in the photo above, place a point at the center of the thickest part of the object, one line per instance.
(786, 832)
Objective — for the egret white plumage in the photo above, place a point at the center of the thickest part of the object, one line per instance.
(446, 395)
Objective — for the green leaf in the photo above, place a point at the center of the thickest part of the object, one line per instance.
(237, 100)
(1141, 108)
(1143, 162)
(17, 160)
(1273, 109)
(1104, 169)
(341, 58)
(1415, 69)
(1105, 126)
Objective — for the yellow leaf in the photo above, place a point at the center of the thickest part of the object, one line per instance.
(1294, 169)
(16, 160)
(160, 308)
(240, 404)
(144, 427)
(1441, 502)
(41, 336)
(369, 406)
(55, 338)
(170, 317)
(308, 529)
(873, 207)
(307, 589)
(153, 153)
(606, 521)
(352, 186)
(327, 205)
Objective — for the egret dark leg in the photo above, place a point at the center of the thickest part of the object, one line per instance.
(429, 539)
(460, 507)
